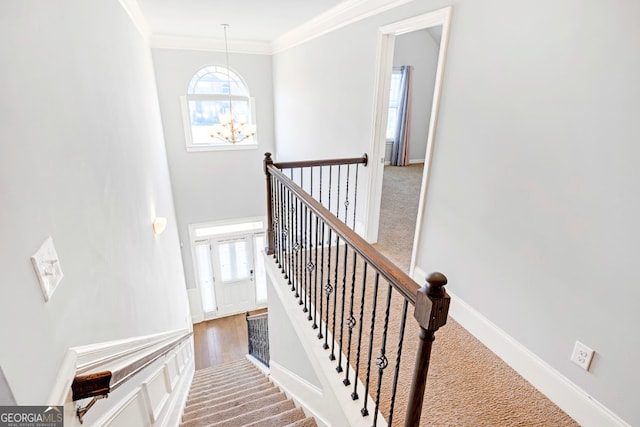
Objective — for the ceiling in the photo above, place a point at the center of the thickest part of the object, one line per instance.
(254, 20)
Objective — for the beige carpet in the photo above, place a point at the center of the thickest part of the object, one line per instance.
(237, 394)
(468, 385)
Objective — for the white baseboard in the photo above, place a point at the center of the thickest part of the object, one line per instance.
(559, 389)
(292, 385)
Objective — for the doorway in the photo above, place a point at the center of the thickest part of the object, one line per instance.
(415, 61)
(229, 267)
(431, 22)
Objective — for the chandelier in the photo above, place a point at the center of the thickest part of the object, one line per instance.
(231, 128)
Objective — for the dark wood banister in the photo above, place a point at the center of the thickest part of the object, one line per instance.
(400, 280)
(431, 301)
(327, 162)
(100, 384)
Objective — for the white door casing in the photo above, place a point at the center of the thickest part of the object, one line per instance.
(384, 59)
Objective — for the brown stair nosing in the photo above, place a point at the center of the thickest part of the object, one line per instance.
(225, 384)
(280, 419)
(236, 411)
(306, 422)
(204, 408)
(206, 395)
(258, 415)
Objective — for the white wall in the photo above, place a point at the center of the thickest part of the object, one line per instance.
(6, 396)
(82, 159)
(215, 185)
(420, 50)
(531, 211)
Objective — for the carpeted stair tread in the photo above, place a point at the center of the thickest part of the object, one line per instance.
(307, 422)
(257, 415)
(225, 381)
(235, 393)
(279, 420)
(224, 365)
(221, 369)
(244, 402)
(239, 394)
(222, 375)
(224, 388)
(234, 411)
(203, 375)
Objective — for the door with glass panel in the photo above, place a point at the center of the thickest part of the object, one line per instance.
(231, 274)
(234, 271)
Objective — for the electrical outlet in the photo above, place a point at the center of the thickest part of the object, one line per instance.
(582, 355)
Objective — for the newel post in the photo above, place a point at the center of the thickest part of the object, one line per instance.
(432, 308)
(270, 238)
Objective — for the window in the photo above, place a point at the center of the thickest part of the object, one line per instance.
(207, 101)
(394, 101)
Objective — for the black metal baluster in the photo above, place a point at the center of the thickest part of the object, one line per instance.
(338, 195)
(315, 278)
(382, 361)
(290, 240)
(304, 265)
(344, 292)
(296, 249)
(321, 243)
(355, 198)
(364, 411)
(335, 302)
(276, 224)
(351, 321)
(303, 270)
(311, 245)
(403, 322)
(283, 228)
(346, 198)
(299, 260)
(328, 290)
(354, 395)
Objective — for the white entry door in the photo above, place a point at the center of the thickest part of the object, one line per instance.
(234, 271)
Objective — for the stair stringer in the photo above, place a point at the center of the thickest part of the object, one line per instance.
(301, 367)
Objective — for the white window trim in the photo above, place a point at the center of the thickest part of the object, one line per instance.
(220, 146)
(193, 238)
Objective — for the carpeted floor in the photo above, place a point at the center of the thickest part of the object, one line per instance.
(468, 385)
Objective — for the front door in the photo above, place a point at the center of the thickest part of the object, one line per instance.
(233, 269)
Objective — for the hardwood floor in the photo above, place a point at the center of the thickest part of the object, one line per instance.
(220, 341)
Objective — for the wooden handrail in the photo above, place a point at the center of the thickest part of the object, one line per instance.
(431, 302)
(257, 316)
(400, 280)
(98, 385)
(327, 162)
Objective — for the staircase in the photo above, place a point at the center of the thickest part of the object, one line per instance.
(238, 394)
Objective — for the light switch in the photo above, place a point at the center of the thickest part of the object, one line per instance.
(47, 266)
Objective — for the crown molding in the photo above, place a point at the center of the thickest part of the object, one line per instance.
(135, 13)
(339, 16)
(166, 41)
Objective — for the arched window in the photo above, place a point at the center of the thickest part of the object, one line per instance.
(206, 105)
